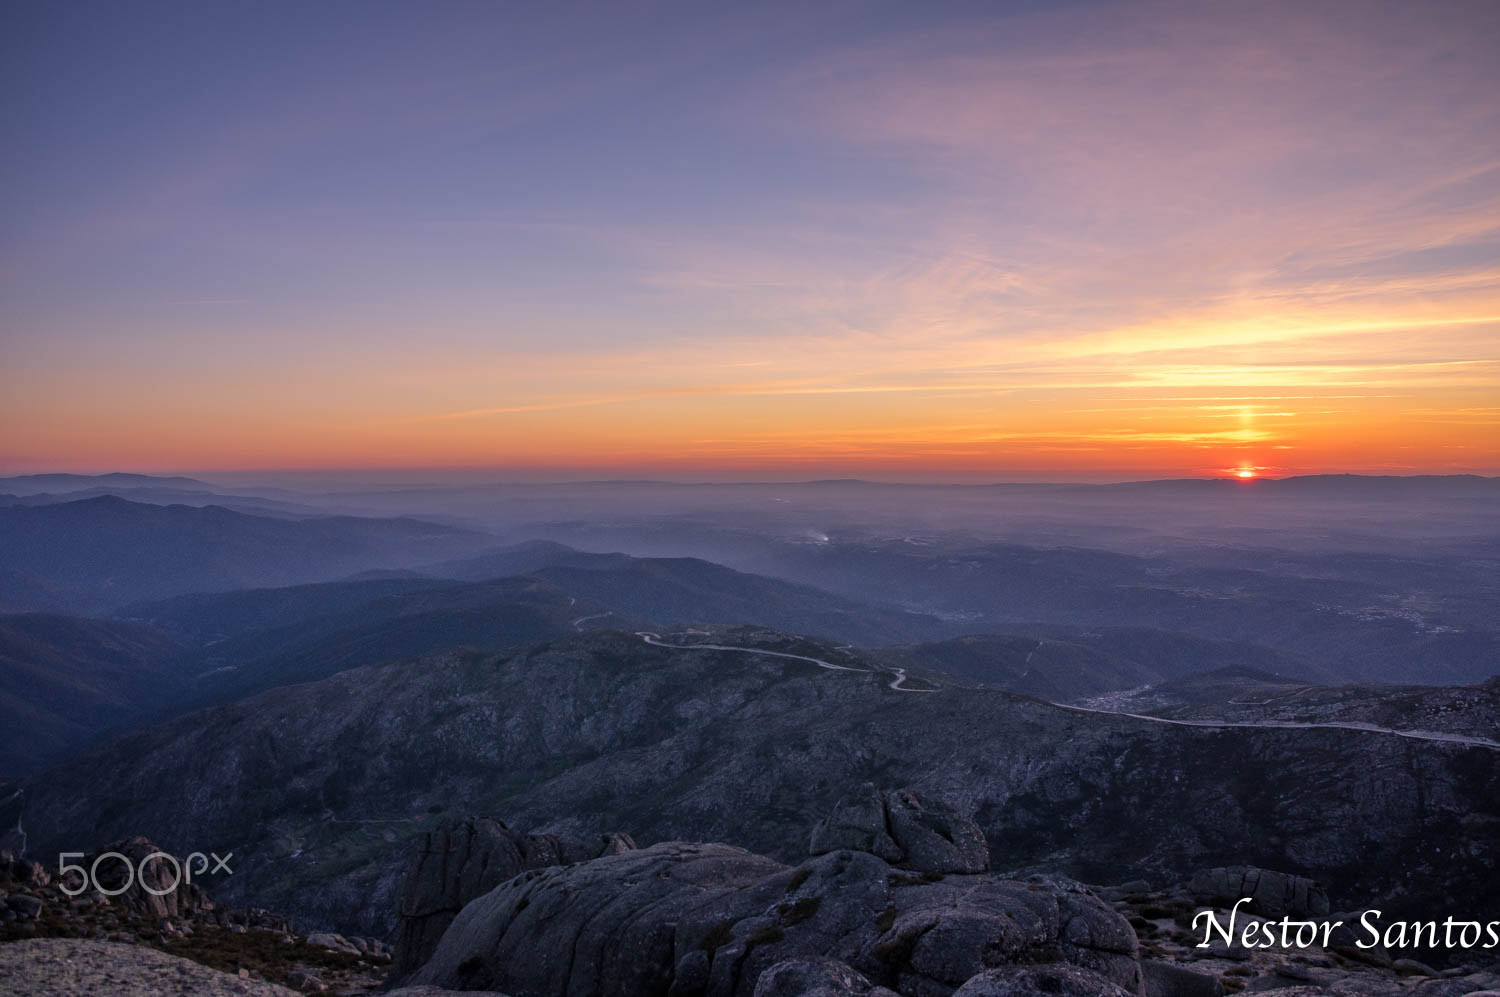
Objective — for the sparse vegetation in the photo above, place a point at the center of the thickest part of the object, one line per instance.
(719, 935)
(765, 935)
(799, 910)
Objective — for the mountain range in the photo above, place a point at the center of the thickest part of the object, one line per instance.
(69, 682)
(211, 648)
(98, 554)
(326, 696)
(31, 484)
(319, 785)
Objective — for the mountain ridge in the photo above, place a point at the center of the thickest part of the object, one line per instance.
(29, 483)
(109, 551)
(683, 743)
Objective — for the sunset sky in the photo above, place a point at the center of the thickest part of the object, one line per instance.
(983, 241)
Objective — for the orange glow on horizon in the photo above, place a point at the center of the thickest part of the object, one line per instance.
(1044, 256)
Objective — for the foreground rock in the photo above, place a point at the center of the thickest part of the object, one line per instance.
(158, 889)
(815, 976)
(709, 920)
(1028, 981)
(601, 731)
(65, 967)
(465, 858)
(1173, 964)
(1272, 894)
(150, 909)
(906, 829)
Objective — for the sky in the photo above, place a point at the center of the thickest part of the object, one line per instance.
(987, 241)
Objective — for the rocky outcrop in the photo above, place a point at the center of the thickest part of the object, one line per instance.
(159, 888)
(54, 967)
(710, 920)
(694, 744)
(906, 829)
(23, 871)
(466, 857)
(1272, 894)
(1174, 963)
(153, 907)
(816, 976)
(1166, 980)
(1029, 981)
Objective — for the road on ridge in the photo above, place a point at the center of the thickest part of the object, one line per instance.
(897, 683)
(578, 623)
(1415, 735)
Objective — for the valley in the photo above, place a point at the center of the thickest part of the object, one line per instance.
(414, 675)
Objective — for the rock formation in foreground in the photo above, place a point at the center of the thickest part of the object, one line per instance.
(487, 908)
(892, 899)
(904, 829)
(893, 902)
(464, 859)
(601, 731)
(152, 931)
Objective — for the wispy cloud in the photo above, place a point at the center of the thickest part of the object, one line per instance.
(972, 233)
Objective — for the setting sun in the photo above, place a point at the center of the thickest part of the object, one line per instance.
(806, 262)
(466, 460)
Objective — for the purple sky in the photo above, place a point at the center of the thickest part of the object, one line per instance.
(957, 240)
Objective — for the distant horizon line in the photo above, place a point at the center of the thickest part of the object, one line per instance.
(207, 478)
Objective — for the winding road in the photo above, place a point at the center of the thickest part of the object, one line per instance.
(897, 683)
(1415, 735)
(1274, 699)
(578, 623)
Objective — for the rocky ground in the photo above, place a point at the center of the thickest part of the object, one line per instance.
(600, 732)
(895, 900)
(65, 967)
(1241, 695)
(893, 897)
(84, 967)
(1169, 948)
(148, 935)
